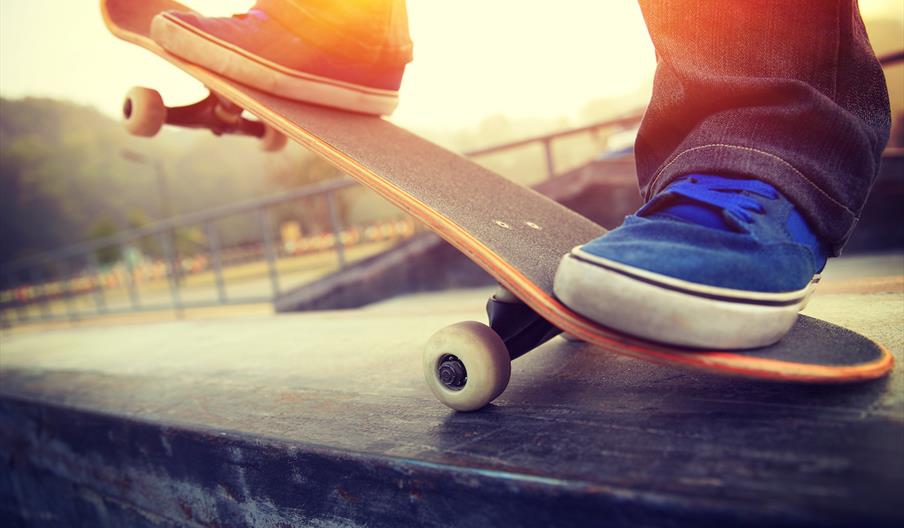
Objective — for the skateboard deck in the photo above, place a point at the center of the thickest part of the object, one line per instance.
(517, 235)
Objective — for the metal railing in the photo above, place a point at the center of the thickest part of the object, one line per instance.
(627, 121)
(52, 276)
(546, 140)
(72, 272)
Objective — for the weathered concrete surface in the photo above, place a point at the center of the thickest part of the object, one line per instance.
(322, 419)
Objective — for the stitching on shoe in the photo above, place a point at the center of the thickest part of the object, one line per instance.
(274, 66)
(749, 149)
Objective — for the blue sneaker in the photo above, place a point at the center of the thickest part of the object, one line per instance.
(710, 262)
(256, 50)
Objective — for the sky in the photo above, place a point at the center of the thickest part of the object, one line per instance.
(473, 58)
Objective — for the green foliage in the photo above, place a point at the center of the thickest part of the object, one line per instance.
(61, 169)
(104, 228)
(190, 241)
(149, 246)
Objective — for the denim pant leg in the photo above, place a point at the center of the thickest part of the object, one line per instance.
(787, 91)
(372, 31)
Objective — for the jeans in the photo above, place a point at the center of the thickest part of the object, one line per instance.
(784, 91)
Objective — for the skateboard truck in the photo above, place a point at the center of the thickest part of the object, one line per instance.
(144, 114)
(468, 364)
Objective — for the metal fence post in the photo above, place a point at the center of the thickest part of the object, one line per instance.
(171, 267)
(336, 226)
(100, 301)
(4, 321)
(134, 298)
(213, 239)
(66, 285)
(18, 308)
(269, 249)
(43, 303)
(550, 162)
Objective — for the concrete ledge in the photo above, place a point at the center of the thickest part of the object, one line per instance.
(167, 475)
(322, 419)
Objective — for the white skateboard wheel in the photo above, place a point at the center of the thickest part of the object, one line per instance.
(143, 112)
(272, 140)
(466, 365)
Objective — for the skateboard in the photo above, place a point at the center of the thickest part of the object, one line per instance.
(517, 235)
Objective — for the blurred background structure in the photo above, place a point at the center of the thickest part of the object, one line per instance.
(94, 222)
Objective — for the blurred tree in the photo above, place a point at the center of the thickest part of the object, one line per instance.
(301, 168)
(190, 241)
(61, 169)
(149, 245)
(103, 228)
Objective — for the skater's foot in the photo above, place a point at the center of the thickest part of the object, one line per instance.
(710, 262)
(256, 50)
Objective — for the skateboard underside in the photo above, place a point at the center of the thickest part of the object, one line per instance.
(514, 233)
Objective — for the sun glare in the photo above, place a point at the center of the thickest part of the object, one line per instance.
(473, 59)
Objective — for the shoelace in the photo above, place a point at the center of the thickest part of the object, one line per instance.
(723, 193)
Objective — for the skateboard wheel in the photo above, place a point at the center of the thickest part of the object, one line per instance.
(466, 365)
(272, 140)
(143, 112)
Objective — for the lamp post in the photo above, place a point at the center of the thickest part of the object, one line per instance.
(165, 210)
(168, 238)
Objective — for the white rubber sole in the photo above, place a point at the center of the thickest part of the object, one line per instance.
(235, 63)
(673, 311)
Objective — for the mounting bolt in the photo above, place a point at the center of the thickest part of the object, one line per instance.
(452, 373)
(227, 113)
